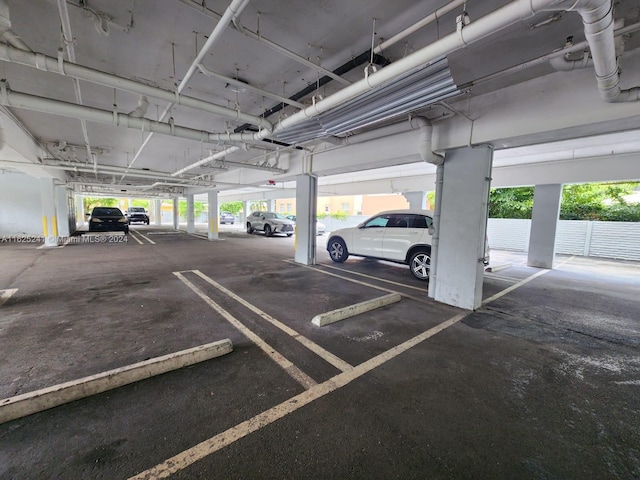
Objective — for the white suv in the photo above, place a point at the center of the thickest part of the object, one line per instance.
(270, 223)
(402, 236)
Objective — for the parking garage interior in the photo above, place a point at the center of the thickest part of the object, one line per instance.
(194, 350)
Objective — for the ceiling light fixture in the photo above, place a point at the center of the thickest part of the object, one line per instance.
(416, 89)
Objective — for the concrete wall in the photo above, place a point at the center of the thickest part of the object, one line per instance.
(20, 205)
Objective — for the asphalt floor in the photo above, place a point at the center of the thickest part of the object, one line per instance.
(541, 382)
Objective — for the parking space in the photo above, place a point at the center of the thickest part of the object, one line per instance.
(541, 382)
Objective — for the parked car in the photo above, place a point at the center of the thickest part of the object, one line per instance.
(108, 219)
(402, 236)
(137, 214)
(270, 223)
(227, 217)
(321, 228)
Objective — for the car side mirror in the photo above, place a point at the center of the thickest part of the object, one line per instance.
(432, 230)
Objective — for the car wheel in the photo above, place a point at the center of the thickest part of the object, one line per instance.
(420, 264)
(147, 222)
(267, 230)
(338, 250)
(289, 234)
(126, 230)
(249, 228)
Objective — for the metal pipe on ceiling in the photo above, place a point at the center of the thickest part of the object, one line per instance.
(232, 12)
(61, 67)
(244, 85)
(265, 41)
(57, 107)
(71, 54)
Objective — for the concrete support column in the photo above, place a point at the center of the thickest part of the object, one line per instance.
(271, 205)
(157, 211)
(544, 222)
(214, 214)
(64, 211)
(247, 211)
(417, 200)
(176, 213)
(191, 225)
(306, 207)
(49, 213)
(80, 209)
(458, 271)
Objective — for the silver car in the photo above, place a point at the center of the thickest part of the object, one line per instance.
(402, 236)
(270, 223)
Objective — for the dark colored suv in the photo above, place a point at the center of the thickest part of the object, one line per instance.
(108, 219)
(137, 214)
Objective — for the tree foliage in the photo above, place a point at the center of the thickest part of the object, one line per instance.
(233, 207)
(511, 202)
(586, 201)
(91, 202)
(198, 208)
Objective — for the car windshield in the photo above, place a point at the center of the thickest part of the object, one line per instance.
(107, 212)
(280, 216)
(136, 209)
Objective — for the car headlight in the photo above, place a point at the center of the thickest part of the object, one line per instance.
(122, 220)
(96, 220)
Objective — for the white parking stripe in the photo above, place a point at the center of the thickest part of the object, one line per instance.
(135, 238)
(6, 295)
(374, 278)
(145, 237)
(298, 375)
(233, 434)
(314, 347)
(370, 285)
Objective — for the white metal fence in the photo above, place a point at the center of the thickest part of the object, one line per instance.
(573, 237)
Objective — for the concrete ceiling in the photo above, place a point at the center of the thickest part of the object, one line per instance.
(155, 43)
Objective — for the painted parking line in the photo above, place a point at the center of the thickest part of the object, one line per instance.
(135, 238)
(190, 456)
(298, 375)
(370, 285)
(422, 289)
(184, 459)
(145, 237)
(6, 295)
(314, 347)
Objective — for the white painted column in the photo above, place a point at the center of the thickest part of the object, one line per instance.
(176, 213)
(157, 207)
(191, 226)
(417, 200)
(80, 209)
(246, 206)
(62, 208)
(271, 205)
(49, 213)
(544, 222)
(306, 206)
(462, 227)
(214, 214)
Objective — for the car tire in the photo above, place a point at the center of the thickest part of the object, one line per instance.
(147, 222)
(338, 250)
(420, 264)
(289, 234)
(250, 229)
(126, 230)
(267, 230)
